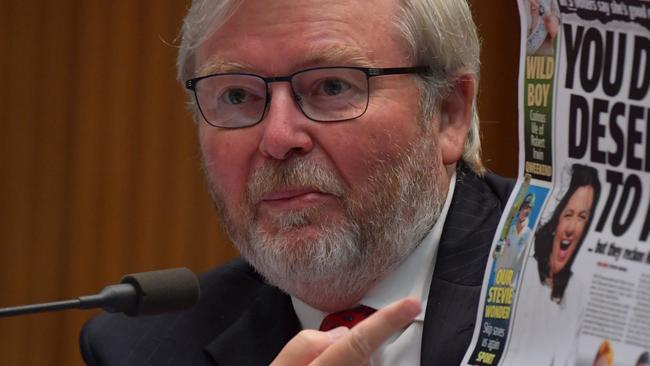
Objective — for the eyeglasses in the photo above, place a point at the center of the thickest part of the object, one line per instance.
(324, 94)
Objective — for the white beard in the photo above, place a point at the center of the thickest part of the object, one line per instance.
(400, 203)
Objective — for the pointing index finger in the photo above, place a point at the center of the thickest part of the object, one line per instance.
(356, 347)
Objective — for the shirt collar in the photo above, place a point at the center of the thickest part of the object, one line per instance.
(408, 279)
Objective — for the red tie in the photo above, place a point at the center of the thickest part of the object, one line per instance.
(346, 318)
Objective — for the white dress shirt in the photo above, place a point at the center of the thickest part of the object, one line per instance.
(411, 278)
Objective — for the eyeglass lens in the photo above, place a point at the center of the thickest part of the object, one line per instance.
(325, 94)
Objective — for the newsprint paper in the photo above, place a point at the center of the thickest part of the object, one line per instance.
(568, 279)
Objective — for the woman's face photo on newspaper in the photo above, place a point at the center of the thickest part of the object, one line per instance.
(570, 227)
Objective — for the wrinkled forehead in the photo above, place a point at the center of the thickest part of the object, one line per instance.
(300, 33)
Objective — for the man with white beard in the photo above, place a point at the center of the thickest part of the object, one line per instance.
(341, 149)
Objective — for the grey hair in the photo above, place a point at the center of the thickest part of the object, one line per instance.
(440, 33)
(202, 19)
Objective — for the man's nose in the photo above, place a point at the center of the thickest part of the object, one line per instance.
(286, 129)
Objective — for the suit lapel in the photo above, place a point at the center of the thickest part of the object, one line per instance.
(458, 274)
(259, 334)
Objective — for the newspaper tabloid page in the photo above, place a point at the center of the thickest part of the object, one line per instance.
(568, 280)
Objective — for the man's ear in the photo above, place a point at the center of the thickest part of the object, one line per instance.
(455, 118)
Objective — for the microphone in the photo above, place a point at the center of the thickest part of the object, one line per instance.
(145, 293)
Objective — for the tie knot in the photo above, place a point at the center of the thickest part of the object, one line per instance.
(346, 318)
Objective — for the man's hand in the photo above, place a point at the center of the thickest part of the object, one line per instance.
(345, 347)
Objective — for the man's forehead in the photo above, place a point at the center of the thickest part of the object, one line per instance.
(333, 55)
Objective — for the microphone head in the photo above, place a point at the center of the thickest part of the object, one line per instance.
(163, 291)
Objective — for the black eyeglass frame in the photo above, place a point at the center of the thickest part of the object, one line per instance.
(368, 71)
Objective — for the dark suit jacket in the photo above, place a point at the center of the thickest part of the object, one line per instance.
(241, 320)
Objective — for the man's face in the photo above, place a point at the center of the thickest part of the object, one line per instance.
(306, 200)
(570, 228)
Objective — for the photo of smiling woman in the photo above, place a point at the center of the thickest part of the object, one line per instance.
(550, 300)
(559, 239)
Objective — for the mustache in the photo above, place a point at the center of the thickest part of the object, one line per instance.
(293, 174)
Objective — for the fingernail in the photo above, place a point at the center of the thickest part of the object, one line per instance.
(337, 333)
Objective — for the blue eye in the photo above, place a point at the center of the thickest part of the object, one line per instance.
(333, 87)
(235, 96)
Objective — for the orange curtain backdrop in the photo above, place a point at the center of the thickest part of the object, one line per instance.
(99, 162)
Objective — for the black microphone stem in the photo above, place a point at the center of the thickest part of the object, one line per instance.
(37, 308)
(137, 294)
